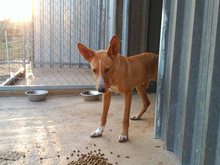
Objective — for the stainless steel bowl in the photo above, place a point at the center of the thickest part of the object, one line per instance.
(36, 95)
(91, 95)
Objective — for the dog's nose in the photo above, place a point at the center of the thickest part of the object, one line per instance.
(101, 89)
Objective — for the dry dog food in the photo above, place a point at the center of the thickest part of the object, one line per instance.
(92, 160)
(94, 157)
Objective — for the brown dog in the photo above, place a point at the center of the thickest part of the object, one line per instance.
(116, 73)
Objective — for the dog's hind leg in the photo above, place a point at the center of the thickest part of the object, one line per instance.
(105, 106)
(145, 101)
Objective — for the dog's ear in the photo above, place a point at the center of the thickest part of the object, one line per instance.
(87, 53)
(113, 48)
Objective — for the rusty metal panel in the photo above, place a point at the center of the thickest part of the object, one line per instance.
(188, 109)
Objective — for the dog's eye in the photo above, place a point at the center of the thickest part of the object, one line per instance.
(106, 70)
(94, 71)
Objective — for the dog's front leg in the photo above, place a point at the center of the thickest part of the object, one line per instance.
(125, 121)
(106, 98)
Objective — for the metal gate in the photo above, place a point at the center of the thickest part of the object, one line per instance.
(14, 51)
(58, 25)
(46, 46)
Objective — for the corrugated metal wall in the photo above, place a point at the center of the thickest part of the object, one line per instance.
(60, 24)
(144, 29)
(188, 91)
(144, 23)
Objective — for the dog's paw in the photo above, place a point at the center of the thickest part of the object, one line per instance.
(123, 138)
(135, 117)
(97, 132)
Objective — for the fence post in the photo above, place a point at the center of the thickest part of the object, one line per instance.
(23, 45)
(112, 19)
(32, 36)
(4, 26)
(6, 43)
(124, 45)
(28, 40)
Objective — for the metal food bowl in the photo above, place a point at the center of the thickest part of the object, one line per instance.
(36, 95)
(91, 95)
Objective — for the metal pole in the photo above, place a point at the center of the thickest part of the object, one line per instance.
(28, 40)
(6, 43)
(80, 31)
(47, 87)
(70, 35)
(112, 19)
(23, 45)
(32, 36)
(63, 37)
(124, 45)
(161, 68)
(4, 26)
(102, 45)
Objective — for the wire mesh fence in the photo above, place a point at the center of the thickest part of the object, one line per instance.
(12, 49)
(43, 51)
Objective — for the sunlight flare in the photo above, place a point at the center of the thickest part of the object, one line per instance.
(18, 10)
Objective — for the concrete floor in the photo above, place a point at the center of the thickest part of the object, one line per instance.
(57, 76)
(59, 125)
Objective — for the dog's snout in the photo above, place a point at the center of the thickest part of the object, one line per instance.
(101, 89)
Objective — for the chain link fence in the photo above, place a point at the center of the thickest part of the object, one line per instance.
(13, 50)
(44, 51)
